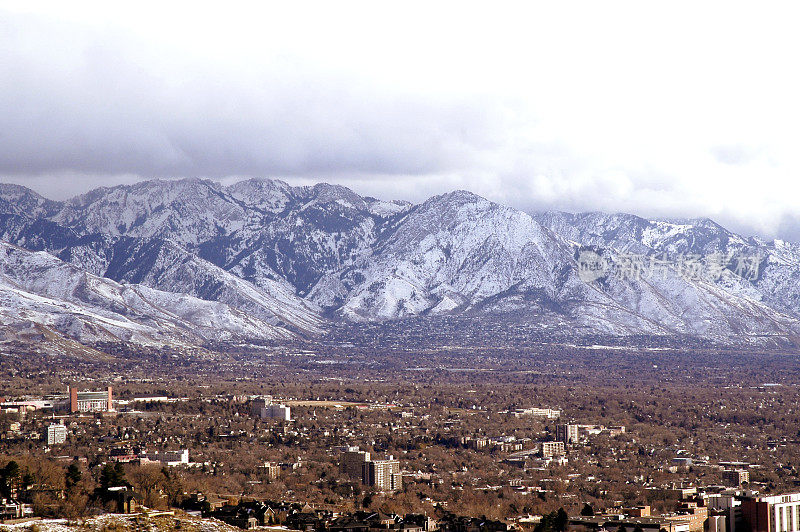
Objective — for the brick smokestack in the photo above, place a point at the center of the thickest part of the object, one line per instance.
(73, 399)
(110, 403)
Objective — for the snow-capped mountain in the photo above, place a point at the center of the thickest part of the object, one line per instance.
(773, 267)
(462, 253)
(298, 258)
(37, 288)
(451, 253)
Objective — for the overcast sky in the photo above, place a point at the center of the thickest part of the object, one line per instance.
(685, 109)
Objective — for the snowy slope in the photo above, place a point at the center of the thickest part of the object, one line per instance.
(288, 255)
(459, 252)
(449, 253)
(37, 287)
(777, 282)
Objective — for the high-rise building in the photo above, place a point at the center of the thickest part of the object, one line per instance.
(267, 410)
(277, 412)
(552, 448)
(352, 462)
(567, 433)
(735, 477)
(272, 470)
(383, 474)
(56, 434)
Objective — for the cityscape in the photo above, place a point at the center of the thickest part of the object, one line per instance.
(492, 443)
(364, 266)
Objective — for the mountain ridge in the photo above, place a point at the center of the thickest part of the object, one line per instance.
(298, 257)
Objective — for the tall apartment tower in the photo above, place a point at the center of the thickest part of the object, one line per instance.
(352, 463)
(268, 410)
(56, 434)
(567, 433)
(383, 474)
(737, 477)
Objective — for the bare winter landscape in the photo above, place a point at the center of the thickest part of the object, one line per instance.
(407, 268)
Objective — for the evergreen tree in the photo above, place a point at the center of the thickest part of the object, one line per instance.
(561, 520)
(73, 475)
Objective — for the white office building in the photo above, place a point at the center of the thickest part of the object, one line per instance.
(56, 434)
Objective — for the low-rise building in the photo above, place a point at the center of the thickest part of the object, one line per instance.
(549, 413)
(629, 523)
(12, 509)
(89, 401)
(168, 458)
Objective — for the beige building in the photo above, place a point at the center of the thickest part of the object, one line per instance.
(267, 410)
(553, 448)
(383, 474)
(735, 477)
(168, 458)
(272, 470)
(352, 462)
(567, 433)
(90, 401)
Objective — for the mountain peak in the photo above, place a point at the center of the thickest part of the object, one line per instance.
(265, 183)
(12, 189)
(324, 193)
(455, 199)
(18, 199)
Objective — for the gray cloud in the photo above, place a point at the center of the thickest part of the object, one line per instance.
(104, 103)
(539, 111)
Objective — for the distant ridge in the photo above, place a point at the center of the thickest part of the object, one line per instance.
(267, 260)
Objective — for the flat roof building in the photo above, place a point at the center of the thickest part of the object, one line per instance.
(647, 524)
(56, 434)
(567, 433)
(735, 477)
(775, 513)
(169, 458)
(352, 462)
(552, 448)
(267, 410)
(89, 401)
(383, 474)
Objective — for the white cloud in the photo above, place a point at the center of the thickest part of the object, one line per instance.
(673, 110)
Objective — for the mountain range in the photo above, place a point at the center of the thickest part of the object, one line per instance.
(192, 260)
